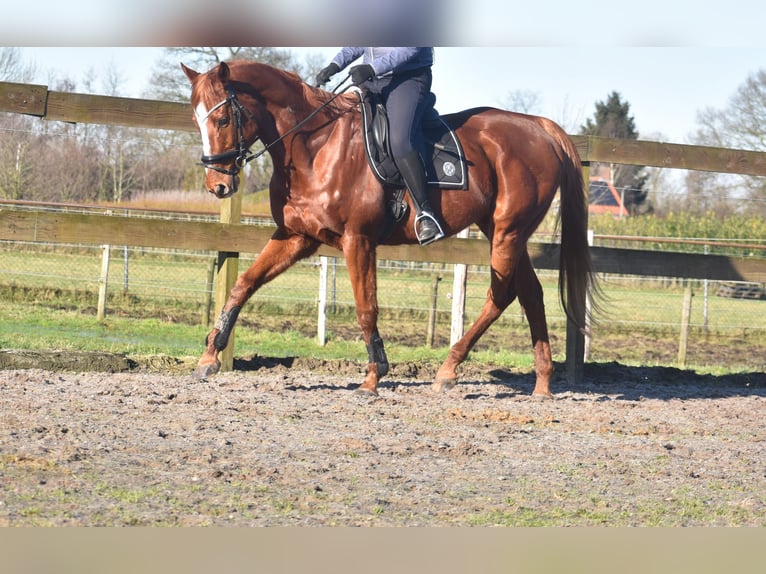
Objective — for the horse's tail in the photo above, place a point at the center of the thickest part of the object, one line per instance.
(577, 282)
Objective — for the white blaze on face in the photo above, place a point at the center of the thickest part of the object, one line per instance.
(202, 114)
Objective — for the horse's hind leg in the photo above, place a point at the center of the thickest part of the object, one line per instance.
(531, 299)
(523, 282)
(446, 377)
(501, 294)
(280, 253)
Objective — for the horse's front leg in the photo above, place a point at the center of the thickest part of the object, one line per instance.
(279, 254)
(360, 260)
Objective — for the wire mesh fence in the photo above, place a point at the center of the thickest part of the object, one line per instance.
(642, 320)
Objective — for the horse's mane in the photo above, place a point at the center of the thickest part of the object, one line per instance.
(254, 74)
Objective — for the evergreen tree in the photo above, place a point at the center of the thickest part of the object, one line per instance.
(612, 119)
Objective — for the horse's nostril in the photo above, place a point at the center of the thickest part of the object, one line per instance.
(223, 189)
(220, 190)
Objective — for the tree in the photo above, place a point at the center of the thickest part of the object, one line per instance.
(85, 162)
(70, 172)
(740, 125)
(54, 161)
(612, 119)
(523, 101)
(168, 82)
(16, 172)
(118, 149)
(15, 166)
(13, 68)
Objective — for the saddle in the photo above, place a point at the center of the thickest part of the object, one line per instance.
(442, 153)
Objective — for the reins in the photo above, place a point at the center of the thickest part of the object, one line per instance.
(300, 124)
(242, 154)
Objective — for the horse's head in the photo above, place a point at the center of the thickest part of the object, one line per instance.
(227, 128)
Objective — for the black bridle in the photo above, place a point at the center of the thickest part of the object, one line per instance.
(241, 155)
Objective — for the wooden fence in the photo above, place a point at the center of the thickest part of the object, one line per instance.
(229, 237)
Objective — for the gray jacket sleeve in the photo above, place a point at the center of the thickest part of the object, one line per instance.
(386, 60)
(347, 55)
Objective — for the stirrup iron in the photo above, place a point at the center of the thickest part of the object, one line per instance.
(425, 215)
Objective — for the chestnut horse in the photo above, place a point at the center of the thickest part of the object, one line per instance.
(322, 191)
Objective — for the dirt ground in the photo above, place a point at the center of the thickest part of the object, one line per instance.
(288, 442)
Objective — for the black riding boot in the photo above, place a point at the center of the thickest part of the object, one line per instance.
(427, 228)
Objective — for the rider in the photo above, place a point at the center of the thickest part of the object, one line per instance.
(402, 77)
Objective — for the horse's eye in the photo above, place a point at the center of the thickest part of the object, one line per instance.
(223, 122)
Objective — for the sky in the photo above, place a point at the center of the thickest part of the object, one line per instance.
(666, 87)
(669, 59)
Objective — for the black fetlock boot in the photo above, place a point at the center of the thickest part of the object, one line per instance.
(427, 228)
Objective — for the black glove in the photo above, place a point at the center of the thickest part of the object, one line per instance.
(326, 73)
(362, 73)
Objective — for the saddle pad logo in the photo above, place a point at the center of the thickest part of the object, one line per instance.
(448, 168)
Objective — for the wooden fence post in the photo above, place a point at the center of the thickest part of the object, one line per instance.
(575, 344)
(228, 264)
(322, 303)
(102, 283)
(460, 275)
(588, 309)
(686, 313)
(209, 284)
(334, 286)
(432, 314)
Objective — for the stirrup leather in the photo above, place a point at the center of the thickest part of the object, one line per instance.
(425, 215)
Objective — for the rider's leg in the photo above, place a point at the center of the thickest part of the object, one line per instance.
(427, 228)
(406, 100)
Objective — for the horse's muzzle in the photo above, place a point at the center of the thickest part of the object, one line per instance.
(222, 191)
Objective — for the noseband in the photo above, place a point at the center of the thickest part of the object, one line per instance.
(241, 154)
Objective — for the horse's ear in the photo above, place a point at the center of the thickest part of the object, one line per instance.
(223, 72)
(191, 74)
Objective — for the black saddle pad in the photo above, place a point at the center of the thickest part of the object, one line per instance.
(442, 153)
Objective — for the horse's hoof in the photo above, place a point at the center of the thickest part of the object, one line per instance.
(443, 385)
(542, 396)
(202, 372)
(366, 393)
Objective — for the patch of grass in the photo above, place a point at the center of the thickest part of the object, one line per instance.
(47, 311)
(125, 495)
(23, 327)
(33, 327)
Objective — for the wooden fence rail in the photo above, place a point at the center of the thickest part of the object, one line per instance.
(227, 237)
(48, 227)
(39, 101)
